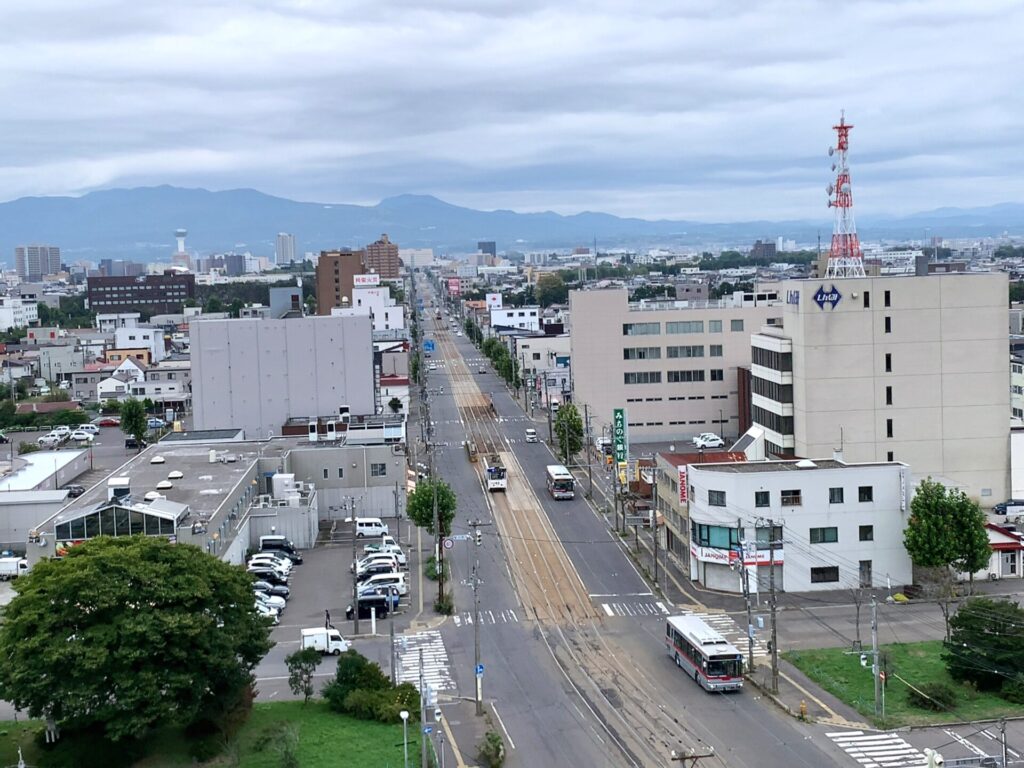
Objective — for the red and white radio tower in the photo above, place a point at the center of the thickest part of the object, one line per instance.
(845, 258)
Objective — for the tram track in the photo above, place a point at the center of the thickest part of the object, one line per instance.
(612, 688)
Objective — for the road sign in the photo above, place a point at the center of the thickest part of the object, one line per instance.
(636, 519)
(620, 435)
(479, 670)
(448, 543)
(428, 729)
(461, 537)
(428, 345)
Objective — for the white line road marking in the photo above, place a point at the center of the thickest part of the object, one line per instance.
(662, 607)
(607, 609)
(502, 724)
(965, 743)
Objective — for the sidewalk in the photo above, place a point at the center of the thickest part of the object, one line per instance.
(460, 732)
(796, 690)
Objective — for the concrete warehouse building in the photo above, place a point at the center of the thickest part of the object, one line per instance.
(910, 369)
(671, 364)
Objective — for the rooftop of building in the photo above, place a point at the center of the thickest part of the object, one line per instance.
(799, 465)
(31, 469)
(696, 457)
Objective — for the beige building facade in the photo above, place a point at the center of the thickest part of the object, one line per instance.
(671, 364)
(908, 369)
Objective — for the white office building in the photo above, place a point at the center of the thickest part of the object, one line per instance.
(141, 337)
(17, 313)
(835, 525)
(376, 302)
(911, 369)
(522, 318)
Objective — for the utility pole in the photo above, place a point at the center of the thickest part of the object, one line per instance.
(590, 467)
(478, 541)
(1002, 739)
(438, 549)
(615, 497)
(874, 655)
(522, 376)
(654, 519)
(423, 714)
(746, 596)
(355, 575)
(394, 670)
(774, 601)
(547, 400)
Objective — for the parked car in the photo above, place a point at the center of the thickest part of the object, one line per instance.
(385, 542)
(61, 431)
(267, 612)
(1004, 507)
(92, 429)
(272, 589)
(708, 440)
(154, 423)
(131, 442)
(280, 544)
(275, 602)
(396, 580)
(380, 557)
(268, 574)
(294, 557)
(374, 569)
(380, 602)
(274, 562)
(81, 436)
(107, 421)
(4, 438)
(48, 441)
(377, 590)
(74, 491)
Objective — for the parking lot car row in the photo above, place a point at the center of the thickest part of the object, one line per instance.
(271, 568)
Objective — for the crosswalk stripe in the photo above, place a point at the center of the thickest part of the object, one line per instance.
(878, 750)
(607, 609)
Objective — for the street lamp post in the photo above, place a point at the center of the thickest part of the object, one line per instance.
(404, 714)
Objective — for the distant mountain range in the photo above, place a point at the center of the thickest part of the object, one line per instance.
(140, 223)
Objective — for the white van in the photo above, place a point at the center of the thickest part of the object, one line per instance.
(369, 526)
(396, 580)
(324, 640)
(531, 435)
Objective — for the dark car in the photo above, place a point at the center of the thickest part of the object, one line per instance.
(1002, 507)
(294, 556)
(131, 442)
(267, 574)
(380, 602)
(272, 589)
(74, 491)
(4, 438)
(374, 569)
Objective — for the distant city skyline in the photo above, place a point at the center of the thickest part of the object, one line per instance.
(684, 110)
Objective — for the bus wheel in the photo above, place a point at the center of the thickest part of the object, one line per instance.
(678, 663)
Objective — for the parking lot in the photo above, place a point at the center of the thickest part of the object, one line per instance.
(322, 584)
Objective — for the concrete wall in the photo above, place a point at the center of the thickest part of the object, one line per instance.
(256, 374)
(374, 495)
(665, 411)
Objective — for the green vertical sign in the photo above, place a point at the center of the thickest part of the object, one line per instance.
(620, 435)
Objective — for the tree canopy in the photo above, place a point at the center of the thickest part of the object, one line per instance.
(551, 289)
(568, 428)
(946, 529)
(133, 418)
(986, 644)
(127, 633)
(420, 505)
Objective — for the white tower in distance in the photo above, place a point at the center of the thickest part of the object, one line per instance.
(179, 235)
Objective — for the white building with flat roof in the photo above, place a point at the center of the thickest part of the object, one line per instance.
(834, 525)
(521, 318)
(911, 369)
(671, 364)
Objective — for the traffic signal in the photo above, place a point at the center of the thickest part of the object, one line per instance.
(933, 758)
(479, 537)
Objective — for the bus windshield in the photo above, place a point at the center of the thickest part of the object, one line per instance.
(561, 485)
(725, 667)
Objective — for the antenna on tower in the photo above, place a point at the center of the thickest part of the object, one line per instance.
(845, 258)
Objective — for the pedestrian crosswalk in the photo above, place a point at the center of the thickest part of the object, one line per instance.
(635, 609)
(508, 616)
(726, 626)
(878, 750)
(436, 667)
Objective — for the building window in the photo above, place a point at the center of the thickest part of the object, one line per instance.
(888, 324)
(642, 377)
(716, 498)
(378, 470)
(867, 304)
(887, 299)
(716, 350)
(888, 395)
(685, 326)
(835, 495)
(341, 472)
(693, 351)
(824, 535)
(639, 353)
(777, 361)
(325, 473)
(888, 362)
(888, 427)
(780, 393)
(714, 326)
(889, 456)
(716, 536)
(641, 329)
(866, 493)
(769, 420)
(867, 532)
(765, 536)
(717, 374)
(762, 499)
(826, 574)
(677, 377)
(790, 498)
(736, 325)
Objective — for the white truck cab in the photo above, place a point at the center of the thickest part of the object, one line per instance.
(324, 640)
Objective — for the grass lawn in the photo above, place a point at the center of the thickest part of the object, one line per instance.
(324, 739)
(842, 675)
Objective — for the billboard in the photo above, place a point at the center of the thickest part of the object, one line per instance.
(366, 281)
(682, 484)
(620, 435)
(493, 300)
(454, 286)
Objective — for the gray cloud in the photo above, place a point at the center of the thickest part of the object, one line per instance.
(671, 109)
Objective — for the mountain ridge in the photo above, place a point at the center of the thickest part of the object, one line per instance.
(139, 223)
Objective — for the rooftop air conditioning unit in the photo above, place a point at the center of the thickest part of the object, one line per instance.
(312, 431)
(344, 413)
(332, 430)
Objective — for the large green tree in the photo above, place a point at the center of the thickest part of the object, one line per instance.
(133, 419)
(420, 505)
(568, 429)
(986, 643)
(124, 634)
(946, 530)
(550, 290)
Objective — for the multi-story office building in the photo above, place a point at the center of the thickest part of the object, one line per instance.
(17, 313)
(335, 278)
(671, 365)
(911, 369)
(152, 294)
(382, 258)
(255, 375)
(34, 261)
(284, 250)
(489, 247)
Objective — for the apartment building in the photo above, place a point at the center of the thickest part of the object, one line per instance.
(32, 262)
(522, 318)
(672, 365)
(335, 277)
(152, 294)
(834, 525)
(382, 258)
(17, 313)
(254, 374)
(911, 369)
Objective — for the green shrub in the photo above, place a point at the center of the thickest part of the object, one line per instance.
(364, 703)
(354, 671)
(1013, 690)
(445, 605)
(85, 749)
(936, 696)
(492, 749)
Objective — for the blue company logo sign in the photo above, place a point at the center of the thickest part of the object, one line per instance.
(793, 297)
(830, 297)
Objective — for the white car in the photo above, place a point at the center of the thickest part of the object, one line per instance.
(708, 440)
(48, 441)
(267, 612)
(90, 428)
(531, 435)
(81, 435)
(62, 431)
(382, 557)
(274, 562)
(272, 601)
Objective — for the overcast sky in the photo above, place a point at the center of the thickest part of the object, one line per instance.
(660, 108)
